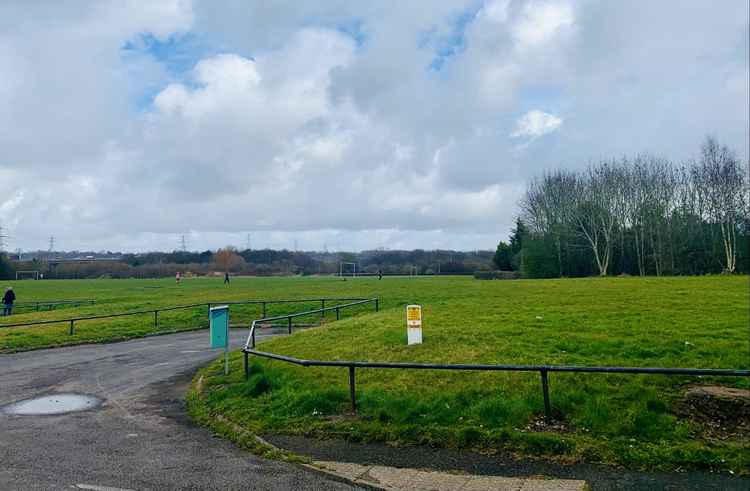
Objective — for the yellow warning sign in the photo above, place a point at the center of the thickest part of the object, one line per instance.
(414, 315)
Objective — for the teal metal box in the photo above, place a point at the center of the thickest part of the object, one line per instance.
(219, 317)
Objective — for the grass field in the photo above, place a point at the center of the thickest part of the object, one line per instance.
(634, 420)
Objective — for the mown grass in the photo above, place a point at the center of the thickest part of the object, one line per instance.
(630, 420)
(115, 296)
(624, 419)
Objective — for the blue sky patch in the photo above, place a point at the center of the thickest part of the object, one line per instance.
(452, 44)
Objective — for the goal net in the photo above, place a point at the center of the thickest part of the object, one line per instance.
(347, 269)
(27, 275)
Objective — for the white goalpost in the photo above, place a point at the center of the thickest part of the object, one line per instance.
(352, 268)
(22, 275)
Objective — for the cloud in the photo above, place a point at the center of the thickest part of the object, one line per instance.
(123, 127)
(536, 123)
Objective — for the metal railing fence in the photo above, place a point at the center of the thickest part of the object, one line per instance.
(71, 321)
(543, 370)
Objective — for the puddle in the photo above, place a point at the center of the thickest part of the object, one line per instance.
(53, 404)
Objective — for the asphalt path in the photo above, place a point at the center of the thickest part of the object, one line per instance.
(140, 437)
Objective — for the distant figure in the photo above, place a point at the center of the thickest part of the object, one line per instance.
(380, 274)
(8, 300)
(177, 278)
(226, 278)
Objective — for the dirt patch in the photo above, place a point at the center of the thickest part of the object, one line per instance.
(722, 412)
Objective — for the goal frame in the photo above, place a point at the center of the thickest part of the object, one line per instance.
(344, 263)
(20, 274)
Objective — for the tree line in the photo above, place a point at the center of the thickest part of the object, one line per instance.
(261, 262)
(639, 216)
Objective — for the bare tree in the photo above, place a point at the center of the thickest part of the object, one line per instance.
(228, 260)
(722, 184)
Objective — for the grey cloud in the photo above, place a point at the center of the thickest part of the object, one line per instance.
(339, 139)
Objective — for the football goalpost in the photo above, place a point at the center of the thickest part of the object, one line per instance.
(22, 275)
(347, 268)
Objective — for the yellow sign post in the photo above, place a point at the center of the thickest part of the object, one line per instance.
(414, 324)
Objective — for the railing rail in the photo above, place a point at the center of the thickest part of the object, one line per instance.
(155, 311)
(51, 304)
(250, 343)
(543, 370)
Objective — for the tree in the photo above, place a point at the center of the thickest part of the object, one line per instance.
(503, 256)
(228, 260)
(723, 188)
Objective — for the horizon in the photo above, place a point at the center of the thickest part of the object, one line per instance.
(341, 126)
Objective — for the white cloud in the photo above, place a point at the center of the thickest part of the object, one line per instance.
(536, 123)
(329, 120)
(541, 21)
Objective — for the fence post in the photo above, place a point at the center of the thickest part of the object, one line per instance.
(377, 306)
(208, 313)
(338, 316)
(545, 391)
(290, 324)
(322, 307)
(156, 318)
(247, 367)
(263, 315)
(351, 389)
(71, 327)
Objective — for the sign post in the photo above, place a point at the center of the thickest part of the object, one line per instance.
(414, 324)
(219, 327)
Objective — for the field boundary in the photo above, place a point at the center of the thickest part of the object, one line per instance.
(543, 370)
(264, 303)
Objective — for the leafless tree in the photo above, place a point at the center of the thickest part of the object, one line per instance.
(723, 189)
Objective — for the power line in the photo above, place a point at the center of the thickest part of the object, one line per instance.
(183, 243)
(2, 240)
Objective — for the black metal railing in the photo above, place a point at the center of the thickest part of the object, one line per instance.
(250, 343)
(50, 304)
(543, 370)
(71, 321)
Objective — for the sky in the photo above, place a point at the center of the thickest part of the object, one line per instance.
(340, 125)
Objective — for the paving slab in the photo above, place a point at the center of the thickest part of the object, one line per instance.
(394, 478)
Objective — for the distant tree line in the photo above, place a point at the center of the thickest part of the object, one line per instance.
(640, 216)
(262, 262)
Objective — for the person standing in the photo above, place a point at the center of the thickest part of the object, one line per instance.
(226, 278)
(8, 300)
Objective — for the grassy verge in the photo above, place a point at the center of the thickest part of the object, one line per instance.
(632, 420)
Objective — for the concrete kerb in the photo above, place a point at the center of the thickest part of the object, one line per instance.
(370, 476)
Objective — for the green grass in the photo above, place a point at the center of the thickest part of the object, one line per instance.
(629, 420)
(625, 419)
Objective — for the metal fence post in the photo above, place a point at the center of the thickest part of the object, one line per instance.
(156, 318)
(377, 306)
(352, 389)
(71, 327)
(338, 315)
(290, 324)
(263, 304)
(322, 308)
(545, 391)
(208, 313)
(247, 367)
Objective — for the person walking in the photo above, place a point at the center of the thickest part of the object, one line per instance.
(226, 278)
(8, 300)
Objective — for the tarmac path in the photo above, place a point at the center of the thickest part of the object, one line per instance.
(140, 437)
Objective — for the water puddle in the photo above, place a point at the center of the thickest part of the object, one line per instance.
(53, 404)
